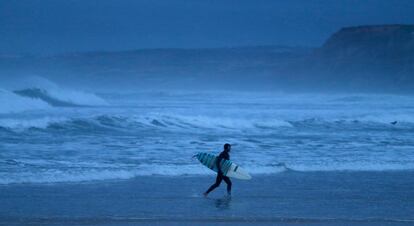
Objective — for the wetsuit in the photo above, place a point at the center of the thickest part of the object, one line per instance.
(220, 176)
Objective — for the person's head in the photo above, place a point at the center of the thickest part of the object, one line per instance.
(227, 147)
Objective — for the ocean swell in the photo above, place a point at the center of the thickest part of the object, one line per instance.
(176, 122)
(13, 103)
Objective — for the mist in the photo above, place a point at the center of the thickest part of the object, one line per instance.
(216, 45)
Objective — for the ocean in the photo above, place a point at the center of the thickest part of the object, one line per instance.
(58, 135)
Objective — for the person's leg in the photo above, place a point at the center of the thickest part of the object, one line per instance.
(228, 182)
(215, 185)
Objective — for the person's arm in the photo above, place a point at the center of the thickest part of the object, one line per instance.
(218, 164)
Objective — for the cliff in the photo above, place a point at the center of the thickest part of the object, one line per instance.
(382, 41)
(365, 57)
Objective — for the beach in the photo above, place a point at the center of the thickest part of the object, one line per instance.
(288, 198)
(121, 113)
(315, 159)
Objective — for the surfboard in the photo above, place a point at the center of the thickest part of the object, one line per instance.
(228, 168)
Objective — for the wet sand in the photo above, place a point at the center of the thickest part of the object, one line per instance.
(289, 198)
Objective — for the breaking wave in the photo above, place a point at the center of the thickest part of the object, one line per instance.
(60, 136)
(62, 98)
(44, 98)
(13, 103)
(66, 172)
(181, 122)
(137, 122)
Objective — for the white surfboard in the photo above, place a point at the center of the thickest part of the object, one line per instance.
(228, 168)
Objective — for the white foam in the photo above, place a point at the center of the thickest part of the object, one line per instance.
(356, 166)
(203, 121)
(85, 174)
(12, 103)
(77, 97)
(40, 123)
(63, 94)
(206, 126)
(98, 174)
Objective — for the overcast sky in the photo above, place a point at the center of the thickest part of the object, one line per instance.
(56, 26)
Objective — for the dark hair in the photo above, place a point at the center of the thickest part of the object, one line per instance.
(226, 146)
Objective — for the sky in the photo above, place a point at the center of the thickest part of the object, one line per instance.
(58, 26)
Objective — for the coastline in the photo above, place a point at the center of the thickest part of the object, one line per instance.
(288, 198)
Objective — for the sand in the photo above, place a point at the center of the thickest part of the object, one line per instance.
(289, 198)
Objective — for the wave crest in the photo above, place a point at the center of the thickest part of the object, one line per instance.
(13, 103)
(62, 98)
(116, 122)
(193, 123)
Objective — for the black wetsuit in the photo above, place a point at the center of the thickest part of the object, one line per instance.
(220, 176)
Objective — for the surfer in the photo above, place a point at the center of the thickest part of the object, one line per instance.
(223, 155)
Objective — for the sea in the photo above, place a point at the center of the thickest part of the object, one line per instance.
(60, 135)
